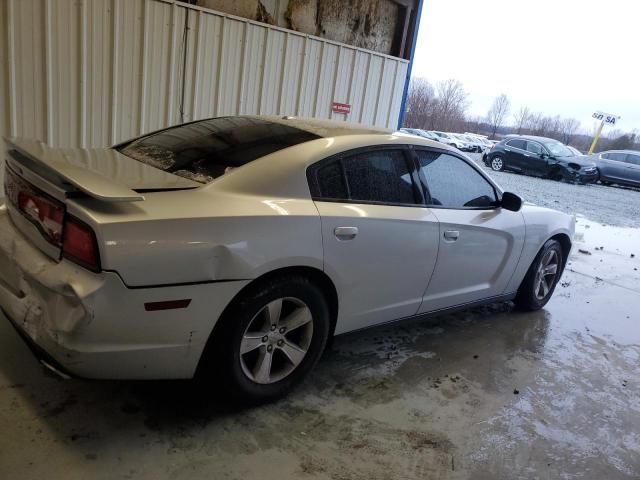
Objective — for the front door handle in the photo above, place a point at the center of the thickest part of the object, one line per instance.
(345, 233)
(451, 235)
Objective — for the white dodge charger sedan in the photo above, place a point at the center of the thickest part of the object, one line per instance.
(231, 249)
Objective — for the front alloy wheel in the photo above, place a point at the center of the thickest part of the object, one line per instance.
(541, 278)
(546, 274)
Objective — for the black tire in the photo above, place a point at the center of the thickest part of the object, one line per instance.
(221, 368)
(527, 299)
(556, 174)
(496, 166)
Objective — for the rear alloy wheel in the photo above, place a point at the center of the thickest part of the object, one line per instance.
(542, 277)
(497, 164)
(267, 341)
(276, 340)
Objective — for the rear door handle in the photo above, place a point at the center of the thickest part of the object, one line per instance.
(345, 233)
(451, 235)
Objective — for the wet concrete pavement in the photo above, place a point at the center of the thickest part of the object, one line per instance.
(485, 394)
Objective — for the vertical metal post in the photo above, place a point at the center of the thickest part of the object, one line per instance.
(595, 139)
(414, 40)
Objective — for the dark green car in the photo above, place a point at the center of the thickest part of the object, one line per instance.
(540, 157)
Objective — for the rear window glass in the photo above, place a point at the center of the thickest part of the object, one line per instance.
(521, 144)
(205, 150)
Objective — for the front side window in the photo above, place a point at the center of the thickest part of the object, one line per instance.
(534, 147)
(453, 183)
(633, 159)
(379, 176)
(617, 156)
(521, 144)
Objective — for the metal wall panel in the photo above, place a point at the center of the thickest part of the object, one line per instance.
(95, 72)
(4, 68)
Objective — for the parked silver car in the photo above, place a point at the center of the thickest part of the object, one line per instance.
(232, 249)
(618, 166)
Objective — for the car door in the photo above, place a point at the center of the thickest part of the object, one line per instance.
(480, 243)
(536, 164)
(380, 241)
(633, 167)
(515, 151)
(613, 166)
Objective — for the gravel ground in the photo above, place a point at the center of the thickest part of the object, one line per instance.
(619, 206)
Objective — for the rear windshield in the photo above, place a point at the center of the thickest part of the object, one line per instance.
(205, 150)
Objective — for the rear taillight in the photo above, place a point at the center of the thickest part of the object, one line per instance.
(79, 244)
(46, 214)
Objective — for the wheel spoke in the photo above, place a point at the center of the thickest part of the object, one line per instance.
(263, 367)
(299, 317)
(250, 342)
(294, 353)
(538, 286)
(273, 311)
(549, 256)
(545, 287)
(551, 269)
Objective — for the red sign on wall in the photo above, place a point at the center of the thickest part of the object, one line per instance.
(340, 108)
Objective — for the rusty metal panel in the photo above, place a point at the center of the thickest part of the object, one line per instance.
(95, 72)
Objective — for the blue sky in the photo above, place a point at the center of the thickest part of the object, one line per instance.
(560, 57)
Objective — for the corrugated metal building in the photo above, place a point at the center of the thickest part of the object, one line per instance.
(91, 73)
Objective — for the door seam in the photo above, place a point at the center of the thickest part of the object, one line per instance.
(435, 264)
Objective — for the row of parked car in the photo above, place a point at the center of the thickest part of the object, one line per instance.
(546, 157)
(466, 142)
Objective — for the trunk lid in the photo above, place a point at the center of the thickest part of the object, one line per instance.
(39, 180)
(103, 173)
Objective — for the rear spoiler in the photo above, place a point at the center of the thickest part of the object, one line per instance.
(92, 183)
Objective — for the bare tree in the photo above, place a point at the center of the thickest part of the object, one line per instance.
(452, 105)
(497, 113)
(568, 129)
(420, 104)
(521, 117)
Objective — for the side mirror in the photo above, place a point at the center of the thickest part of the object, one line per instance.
(511, 201)
(544, 156)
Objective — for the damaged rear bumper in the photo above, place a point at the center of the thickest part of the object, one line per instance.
(92, 325)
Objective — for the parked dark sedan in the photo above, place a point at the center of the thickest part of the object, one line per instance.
(541, 157)
(618, 166)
